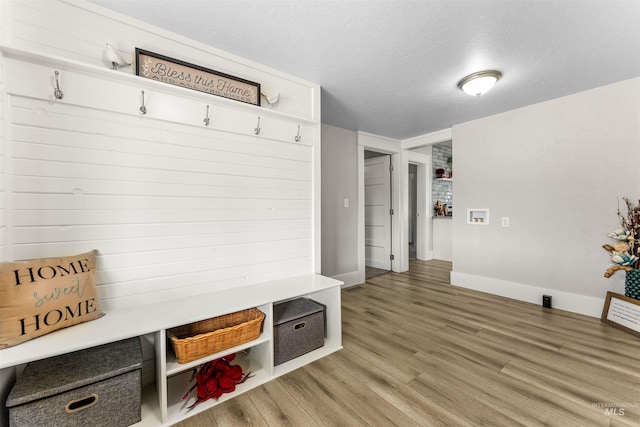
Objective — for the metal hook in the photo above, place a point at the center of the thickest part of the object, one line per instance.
(57, 92)
(257, 129)
(206, 119)
(143, 109)
(298, 138)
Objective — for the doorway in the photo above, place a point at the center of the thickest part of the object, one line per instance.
(377, 213)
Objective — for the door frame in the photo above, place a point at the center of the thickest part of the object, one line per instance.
(401, 154)
(423, 209)
(387, 146)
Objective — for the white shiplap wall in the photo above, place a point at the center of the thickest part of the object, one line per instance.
(3, 178)
(172, 206)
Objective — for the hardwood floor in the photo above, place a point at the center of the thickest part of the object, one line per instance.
(420, 352)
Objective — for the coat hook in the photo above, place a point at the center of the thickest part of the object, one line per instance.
(257, 129)
(57, 92)
(298, 138)
(206, 119)
(143, 109)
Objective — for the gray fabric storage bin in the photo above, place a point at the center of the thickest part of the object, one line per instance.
(98, 386)
(298, 328)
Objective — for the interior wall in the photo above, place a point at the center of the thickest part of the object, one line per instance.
(340, 222)
(556, 170)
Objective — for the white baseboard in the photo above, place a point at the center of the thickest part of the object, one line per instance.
(575, 303)
(427, 256)
(352, 278)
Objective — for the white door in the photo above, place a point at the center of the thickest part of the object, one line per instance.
(377, 212)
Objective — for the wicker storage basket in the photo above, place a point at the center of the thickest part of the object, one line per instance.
(200, 339)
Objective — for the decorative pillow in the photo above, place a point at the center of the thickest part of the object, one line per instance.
(43, 295)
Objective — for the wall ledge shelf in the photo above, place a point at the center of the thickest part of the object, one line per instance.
(129, 78)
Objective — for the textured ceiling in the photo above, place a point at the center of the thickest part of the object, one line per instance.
(391, 67)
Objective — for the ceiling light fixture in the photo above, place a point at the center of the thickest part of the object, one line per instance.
(479, 83)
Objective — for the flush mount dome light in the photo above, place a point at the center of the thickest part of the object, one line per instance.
(479, 83)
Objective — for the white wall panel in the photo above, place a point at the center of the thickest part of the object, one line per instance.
(3, 175)
(174, 208)
(171, 208)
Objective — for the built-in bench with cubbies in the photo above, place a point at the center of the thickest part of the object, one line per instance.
(162, 402)
(192, 219)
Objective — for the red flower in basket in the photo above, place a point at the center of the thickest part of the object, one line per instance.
(215, 378)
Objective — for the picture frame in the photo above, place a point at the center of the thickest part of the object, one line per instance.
(622, 313)
(175, 72)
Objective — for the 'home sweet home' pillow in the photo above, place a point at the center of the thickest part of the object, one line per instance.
(43, 295)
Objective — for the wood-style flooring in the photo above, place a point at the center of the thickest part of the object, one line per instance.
(420, 352)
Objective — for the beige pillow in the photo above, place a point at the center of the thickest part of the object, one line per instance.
(43, 295)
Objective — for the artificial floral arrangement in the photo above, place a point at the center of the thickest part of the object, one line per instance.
(215, 378)
(624, 253)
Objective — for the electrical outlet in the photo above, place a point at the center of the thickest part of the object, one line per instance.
(346, 203)
(546, 301)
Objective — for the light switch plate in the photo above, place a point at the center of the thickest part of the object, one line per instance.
(505, 221)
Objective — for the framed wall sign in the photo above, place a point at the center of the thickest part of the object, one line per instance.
(622, 312)
(179, 73)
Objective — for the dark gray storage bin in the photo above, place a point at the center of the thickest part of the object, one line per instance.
(98, 386)
(298, 328)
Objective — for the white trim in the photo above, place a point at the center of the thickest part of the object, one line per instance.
(423, 202)
(427, 139)
(317, 189)
(352, 278)
(576, 303)
(380, 144)
(360, 232)
(419, 158)
(400, 219)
